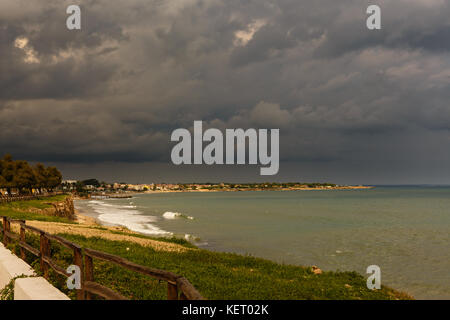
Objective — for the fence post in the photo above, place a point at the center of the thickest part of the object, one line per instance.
(6, 228)
(5, 240)
(172, 291)
(44, 253)
(78, 261)
(88, 273)
(22, 239)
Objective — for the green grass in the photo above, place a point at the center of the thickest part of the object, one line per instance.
(23, 209)
(215, 275)
(42, 203)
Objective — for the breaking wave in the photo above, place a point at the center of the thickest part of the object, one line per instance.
(174, 215)
(127, 216)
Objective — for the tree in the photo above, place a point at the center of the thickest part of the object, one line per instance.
(40, 173)
(2, 179)
(24, 177)
(19, 174)
(8, 171)
(79, 186)
(91, 182)
(53, 178)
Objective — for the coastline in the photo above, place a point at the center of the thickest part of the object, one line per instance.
(261, 189)
(126, 194)
(232, 272)
(90, 227)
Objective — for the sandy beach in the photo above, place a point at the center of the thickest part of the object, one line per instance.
(89, 227)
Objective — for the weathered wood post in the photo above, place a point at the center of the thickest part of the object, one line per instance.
(88, 273)
(78, 261)
(6, 229)
(172, 291)
(22, 239)
(5, 238)
(44, 249)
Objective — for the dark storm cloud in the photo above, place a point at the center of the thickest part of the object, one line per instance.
(340, 94)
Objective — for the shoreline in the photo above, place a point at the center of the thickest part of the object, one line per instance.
(91, 220)
(83, 217)
(261, 189)
(132, 193)
(90, 227)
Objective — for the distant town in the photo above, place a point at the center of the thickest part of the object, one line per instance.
(18, 177)
(93, 186)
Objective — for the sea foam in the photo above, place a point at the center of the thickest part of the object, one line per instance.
(127, 216)
(174, 215)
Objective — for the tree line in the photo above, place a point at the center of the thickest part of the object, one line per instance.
(20, 175)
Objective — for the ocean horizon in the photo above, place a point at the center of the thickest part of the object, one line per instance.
(402, 229)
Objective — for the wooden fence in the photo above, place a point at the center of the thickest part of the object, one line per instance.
(178, 287)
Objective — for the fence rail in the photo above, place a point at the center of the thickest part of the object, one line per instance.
(178, 287)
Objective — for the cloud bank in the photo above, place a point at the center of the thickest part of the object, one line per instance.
(340, 94)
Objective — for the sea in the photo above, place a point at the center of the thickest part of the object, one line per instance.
(405, 230)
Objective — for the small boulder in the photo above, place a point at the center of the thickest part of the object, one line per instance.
(316, 270)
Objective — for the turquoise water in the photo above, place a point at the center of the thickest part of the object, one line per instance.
(404, 230)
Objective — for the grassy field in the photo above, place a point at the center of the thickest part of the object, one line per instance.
(23, 209)
(215, 275)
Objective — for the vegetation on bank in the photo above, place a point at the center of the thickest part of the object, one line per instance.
(215, 275)
(31, 209)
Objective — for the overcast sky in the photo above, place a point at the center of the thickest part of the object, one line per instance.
(352, 105)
